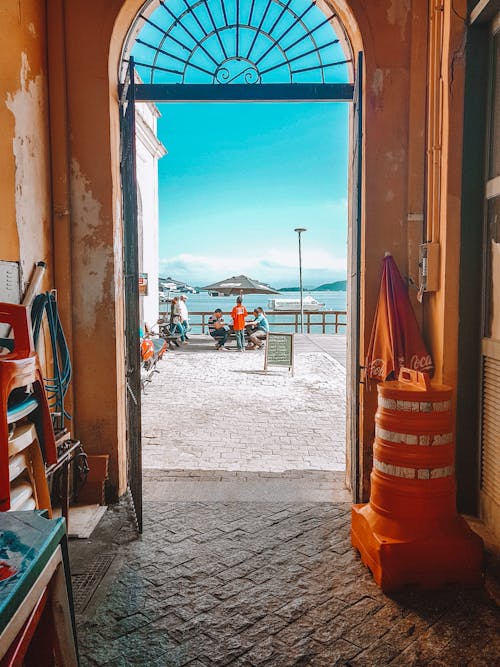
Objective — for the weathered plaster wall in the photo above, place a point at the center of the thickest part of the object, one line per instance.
(393, 38)
(24, 139)
(442, 319)
(96, 238)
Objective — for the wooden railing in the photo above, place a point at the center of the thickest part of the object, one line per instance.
(325, 319)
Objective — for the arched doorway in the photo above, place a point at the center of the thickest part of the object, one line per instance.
(218, 51)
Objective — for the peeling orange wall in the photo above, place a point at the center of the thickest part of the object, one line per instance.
(441, 314)
(96, 257)
(26, 234)
(394, 45)
(395, 39)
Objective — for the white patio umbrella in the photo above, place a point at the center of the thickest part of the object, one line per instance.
(239, 285)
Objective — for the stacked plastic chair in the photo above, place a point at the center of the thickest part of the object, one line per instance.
(28, 482)
(20, 368)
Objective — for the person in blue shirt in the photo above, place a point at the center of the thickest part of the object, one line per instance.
(261, 328)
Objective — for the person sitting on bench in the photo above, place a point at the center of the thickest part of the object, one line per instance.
(165, 331)
(261, 326)
(217, 329)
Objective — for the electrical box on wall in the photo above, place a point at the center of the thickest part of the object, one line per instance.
(428, 267)
(10, 283)
(10, 288)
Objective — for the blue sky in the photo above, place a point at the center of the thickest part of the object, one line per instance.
(236, 181)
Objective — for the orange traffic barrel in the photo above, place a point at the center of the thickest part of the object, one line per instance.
(410, 531)
(413, 453)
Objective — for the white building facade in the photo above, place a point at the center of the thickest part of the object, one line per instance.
(149, 150)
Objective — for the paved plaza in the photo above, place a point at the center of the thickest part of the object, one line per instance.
(249, 584)
(216, 416)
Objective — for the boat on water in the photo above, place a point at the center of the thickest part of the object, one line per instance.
(310, 304)
(169, 287)
(166, 296)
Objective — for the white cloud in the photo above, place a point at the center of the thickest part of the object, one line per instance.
(279, 267)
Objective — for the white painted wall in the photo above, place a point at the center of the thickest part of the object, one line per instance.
(149, 151)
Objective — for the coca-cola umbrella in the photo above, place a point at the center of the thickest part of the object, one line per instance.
(239, 285)
(396, 340)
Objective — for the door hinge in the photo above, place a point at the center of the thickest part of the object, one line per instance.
(129, 389)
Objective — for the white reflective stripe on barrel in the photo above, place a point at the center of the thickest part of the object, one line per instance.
(414, 439)
(413, 406)
(412, 473)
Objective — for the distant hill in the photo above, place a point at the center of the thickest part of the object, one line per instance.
(338, 286)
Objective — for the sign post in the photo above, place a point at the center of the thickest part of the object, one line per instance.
(143, 284)
(279, 350)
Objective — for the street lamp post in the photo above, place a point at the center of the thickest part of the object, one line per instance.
(299, 231)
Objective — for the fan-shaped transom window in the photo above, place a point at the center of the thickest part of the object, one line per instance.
(238, 42)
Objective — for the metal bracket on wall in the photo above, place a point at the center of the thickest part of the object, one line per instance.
(428, 269)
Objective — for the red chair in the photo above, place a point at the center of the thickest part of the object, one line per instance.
(21, 368)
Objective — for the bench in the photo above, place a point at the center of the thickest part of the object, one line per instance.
(172, 340)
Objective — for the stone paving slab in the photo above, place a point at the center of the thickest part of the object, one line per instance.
(223, 485)
(275, 584)
(335, 345)
(212, 410)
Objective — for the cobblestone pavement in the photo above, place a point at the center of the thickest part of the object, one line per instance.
(212, 410)
(250, 584)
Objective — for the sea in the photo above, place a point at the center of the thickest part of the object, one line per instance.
(203, 302)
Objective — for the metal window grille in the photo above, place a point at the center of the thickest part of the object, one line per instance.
(238, 42)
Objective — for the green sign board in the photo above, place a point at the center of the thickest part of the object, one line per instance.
(279, 350)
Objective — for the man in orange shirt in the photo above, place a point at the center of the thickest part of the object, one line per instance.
(238, 314)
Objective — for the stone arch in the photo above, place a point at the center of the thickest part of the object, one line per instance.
(350, 15)
(392, 88)
(347, 30)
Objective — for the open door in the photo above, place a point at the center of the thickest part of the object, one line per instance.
(131, 291)
(354, 286)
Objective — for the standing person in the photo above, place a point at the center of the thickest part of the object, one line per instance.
(184, 314)
(238, 314)
(175, 320)
(217, 329)
(173, 309)
(261, 326)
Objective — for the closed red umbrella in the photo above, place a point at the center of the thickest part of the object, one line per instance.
(396, 340)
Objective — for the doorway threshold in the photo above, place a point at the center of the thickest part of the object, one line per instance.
(246, 486)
